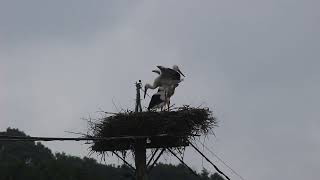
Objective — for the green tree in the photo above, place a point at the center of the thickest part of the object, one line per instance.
(33, 161)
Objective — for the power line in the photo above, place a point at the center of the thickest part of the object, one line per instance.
(193, 172)
(155, 161)
(217, 169)
(152, 156)
(30, 138)
(128, 164)
(215, 155)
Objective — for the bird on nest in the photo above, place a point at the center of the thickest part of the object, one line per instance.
(167, 78)
(167, 81)
(162, 98)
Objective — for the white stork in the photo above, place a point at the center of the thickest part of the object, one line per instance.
(162, 98)
(158, 100)
(168, 77)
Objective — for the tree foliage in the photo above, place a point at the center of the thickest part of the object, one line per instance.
(34, 161)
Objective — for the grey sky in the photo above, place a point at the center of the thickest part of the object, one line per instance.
(255, 63)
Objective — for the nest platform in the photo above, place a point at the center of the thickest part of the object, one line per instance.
(163, 129)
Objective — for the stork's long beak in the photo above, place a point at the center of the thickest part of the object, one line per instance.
(145, 92)
(181, 73)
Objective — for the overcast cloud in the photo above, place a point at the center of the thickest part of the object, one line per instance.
(255, 63)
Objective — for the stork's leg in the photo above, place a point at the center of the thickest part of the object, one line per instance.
(166, 100)
(168, 103)
(145, 92)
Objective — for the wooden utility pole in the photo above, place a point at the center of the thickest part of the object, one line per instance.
(140, 144)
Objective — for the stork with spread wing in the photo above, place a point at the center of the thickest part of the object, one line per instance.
(167, 81)
(167, 77)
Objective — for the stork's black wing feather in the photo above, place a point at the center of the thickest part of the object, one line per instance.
(155, 100)
(168, 73)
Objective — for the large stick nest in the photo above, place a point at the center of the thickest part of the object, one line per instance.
(175, 128)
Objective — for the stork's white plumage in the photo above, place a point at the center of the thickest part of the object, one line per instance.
(168, 77)
(169, 93)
